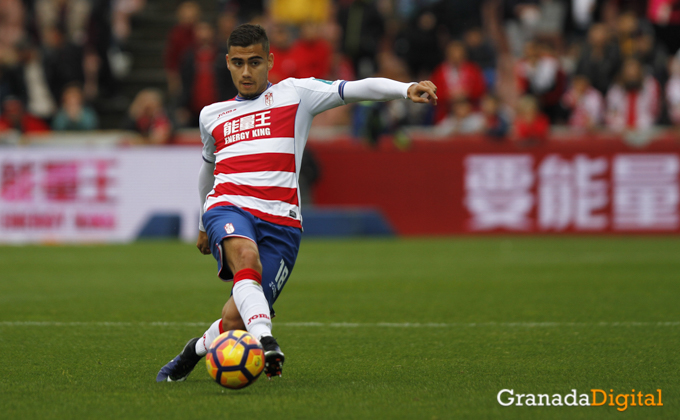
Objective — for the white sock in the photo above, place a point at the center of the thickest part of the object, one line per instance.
(253, 307)
(210, 335)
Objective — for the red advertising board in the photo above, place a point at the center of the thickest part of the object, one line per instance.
(474, 186)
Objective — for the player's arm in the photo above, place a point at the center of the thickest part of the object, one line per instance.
(381, 89)
(206, 180)
(320, 95)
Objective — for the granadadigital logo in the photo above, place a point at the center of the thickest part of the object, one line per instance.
(507, 397)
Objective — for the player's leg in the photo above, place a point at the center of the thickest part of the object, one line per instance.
(221, 223)
(243, 258)
(179, 368)
(278, 247)
(231, 320)
(248, 306)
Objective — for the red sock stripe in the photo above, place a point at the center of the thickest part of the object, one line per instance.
(220, 327)
(247, 274)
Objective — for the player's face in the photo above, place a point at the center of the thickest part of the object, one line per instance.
(249, 67)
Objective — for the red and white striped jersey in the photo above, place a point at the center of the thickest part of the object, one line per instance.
(257, 144)
(635, 109)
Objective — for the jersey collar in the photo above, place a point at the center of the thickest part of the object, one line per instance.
(241, 99)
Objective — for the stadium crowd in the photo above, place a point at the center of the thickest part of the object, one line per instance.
(509, 69)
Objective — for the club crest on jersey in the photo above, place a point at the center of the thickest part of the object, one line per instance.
(229, 228)
(269, 99)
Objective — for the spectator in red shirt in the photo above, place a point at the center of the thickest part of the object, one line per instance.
(15, 117)
(311, 53)
(665, 15)
(180, 39)
(531, 127)
(457, 77)
(280, 44)
(539, 74)
(147, 116)
(663, 12)
(634, 102)
(584, 103)
(199, 81)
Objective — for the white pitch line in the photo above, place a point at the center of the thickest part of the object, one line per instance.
(351, 324)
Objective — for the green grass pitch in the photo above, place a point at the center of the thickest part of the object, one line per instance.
(84, 330)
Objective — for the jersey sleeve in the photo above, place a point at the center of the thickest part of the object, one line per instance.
(318, 95)
(208, 143)
(374, 89)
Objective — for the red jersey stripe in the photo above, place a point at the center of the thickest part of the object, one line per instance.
(280, 162)
(279, 220)
(287, 195)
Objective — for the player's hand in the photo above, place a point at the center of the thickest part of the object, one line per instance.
(423, 93)
(203, 243)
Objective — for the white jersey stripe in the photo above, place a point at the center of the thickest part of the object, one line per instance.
(260, 179)
(253, 147)
(273, 207)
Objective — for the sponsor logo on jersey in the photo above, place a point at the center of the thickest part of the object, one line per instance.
(225, 113)
(269, 99)
(271, 122)
(229, 228)
(242, 128)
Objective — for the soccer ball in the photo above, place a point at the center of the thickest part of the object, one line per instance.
(235, 359)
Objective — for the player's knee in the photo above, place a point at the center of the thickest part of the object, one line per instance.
(249, 258)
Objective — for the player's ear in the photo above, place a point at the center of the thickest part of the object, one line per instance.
(270, 61)
(226, 57)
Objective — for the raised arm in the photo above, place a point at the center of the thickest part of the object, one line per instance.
(319, 95)
(381, 89)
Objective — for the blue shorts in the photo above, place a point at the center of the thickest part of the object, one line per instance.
(278, 245)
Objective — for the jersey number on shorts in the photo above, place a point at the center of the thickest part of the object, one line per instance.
(281, 275)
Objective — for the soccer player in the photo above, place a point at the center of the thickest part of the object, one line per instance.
(252, 150)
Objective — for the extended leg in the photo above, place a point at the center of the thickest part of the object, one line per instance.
(249, 300)
(247, 309)
(179, 368)
(248, 297)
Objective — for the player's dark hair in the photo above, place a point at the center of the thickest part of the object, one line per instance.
(246, 35)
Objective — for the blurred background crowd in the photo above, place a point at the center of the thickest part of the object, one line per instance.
(505, 69)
